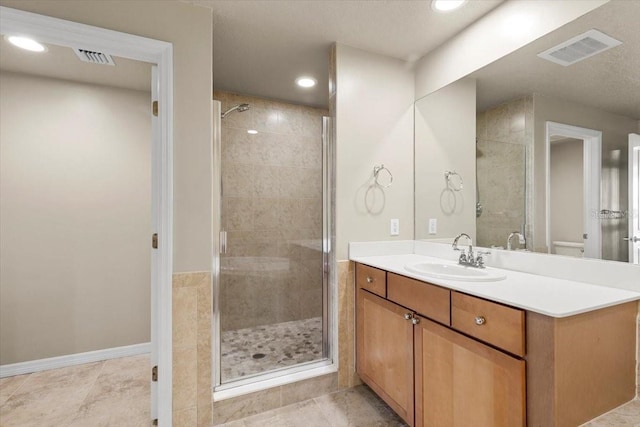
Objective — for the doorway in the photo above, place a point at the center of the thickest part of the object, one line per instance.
(573, 169)
(634, 199)
(158, 54)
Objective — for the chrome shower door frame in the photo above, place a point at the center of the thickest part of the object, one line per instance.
(301, 371)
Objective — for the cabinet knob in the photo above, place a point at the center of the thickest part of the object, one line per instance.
(408, 316)
(369, 279)
(415, 320)
(480, 320)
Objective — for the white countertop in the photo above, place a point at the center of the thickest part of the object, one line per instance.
(540, 294)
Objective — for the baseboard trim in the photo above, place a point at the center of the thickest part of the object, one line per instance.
(73, 359)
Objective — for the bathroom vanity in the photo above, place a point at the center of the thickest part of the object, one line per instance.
(504, 353)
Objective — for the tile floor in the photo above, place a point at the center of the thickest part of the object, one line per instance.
(260, 349)
(360, 407)
(354, 407)
(115, 392)
(627, 415)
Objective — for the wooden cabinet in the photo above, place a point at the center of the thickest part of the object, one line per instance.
(460, 382)
(442, 358)
(429, 300)
(429, 374)
(385, 351)
(488, 321)
(371, 279)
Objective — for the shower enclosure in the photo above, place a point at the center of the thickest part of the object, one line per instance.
(271, 289)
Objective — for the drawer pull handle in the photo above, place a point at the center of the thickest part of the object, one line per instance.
(408, 316)
(415, 320)
(369, 279)
(480, 320)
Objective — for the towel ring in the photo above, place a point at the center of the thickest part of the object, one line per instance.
(451, 183)
(376, 172)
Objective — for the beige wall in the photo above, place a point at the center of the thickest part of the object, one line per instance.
(615, 130)
(445, 132)
(514, 24)
(189, 29)
(272, 212)
(504, 134)
(567, 197)
(374, 125)
(75, 205)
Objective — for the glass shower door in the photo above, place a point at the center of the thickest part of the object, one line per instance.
(272, 283)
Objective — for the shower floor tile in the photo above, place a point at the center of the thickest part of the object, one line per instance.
(260, 349)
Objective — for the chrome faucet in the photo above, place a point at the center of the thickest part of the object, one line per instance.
(515, 233)
(470, 259)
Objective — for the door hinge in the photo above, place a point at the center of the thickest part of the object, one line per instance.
(154, 241)
(154, 422)
(155, 108)
(154, 374)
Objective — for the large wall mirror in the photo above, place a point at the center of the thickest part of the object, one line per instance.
(536, 150)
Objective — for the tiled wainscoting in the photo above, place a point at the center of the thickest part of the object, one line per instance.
(192, 349)
(347, 325)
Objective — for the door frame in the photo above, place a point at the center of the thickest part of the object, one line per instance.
(592, 165)
(160, 54)
(633, 214)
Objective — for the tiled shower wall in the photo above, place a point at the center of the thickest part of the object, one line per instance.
(504, 134)
(272, 212)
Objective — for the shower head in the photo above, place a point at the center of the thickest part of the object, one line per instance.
(240, 108)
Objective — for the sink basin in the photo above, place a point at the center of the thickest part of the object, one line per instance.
(455, 272)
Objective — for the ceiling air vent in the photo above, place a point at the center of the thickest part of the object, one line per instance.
(94, 57)
(580, 47)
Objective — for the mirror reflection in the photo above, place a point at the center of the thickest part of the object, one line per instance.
(542, 144)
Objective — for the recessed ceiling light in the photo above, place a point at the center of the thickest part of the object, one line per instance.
(446, 5)
(26, 43)
(306, 82)
(252, 131)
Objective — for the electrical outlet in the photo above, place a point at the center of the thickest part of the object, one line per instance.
(395, 227)
(433, 226)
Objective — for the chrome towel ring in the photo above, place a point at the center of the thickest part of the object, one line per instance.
(454, 180)
(376, 175)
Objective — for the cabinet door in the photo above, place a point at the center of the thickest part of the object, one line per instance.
(384, 352)
(461, 382)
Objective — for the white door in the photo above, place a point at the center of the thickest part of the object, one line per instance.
(634, 198)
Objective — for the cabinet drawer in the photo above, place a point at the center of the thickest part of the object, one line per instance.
(428, 300)
(371, 279)
(488, 321)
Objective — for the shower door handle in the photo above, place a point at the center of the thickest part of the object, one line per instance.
(223, 242)
(633, 239)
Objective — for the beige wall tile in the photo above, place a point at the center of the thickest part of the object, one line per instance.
(185, 417)
(185, 302)
(237, 180)
(498, 123)
(185, 378)
(205, 413)
(191, 279)
(308, 389)
(347, 376)
(238, 213)
(244, 406)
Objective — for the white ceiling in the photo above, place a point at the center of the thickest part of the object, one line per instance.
(62, 63)
(260, 47)
(609, 80)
